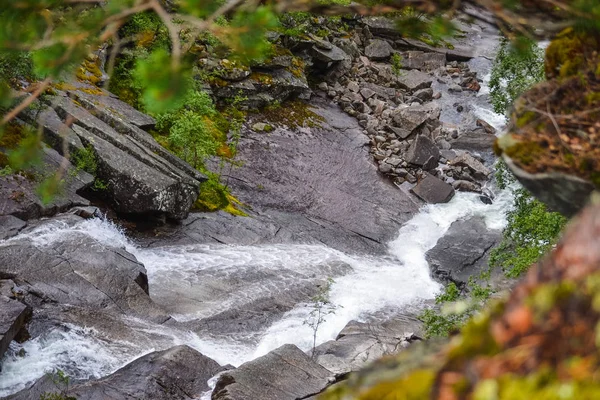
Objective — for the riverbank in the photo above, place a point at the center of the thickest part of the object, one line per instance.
(237, 288)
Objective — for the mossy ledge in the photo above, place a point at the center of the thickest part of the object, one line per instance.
(292, 114)
(555, 127)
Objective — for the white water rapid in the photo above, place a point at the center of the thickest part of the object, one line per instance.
(187, 280)
(372, 285)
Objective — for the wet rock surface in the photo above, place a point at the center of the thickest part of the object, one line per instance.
(10, 226)
(179, 373)
(302, 184)
(361, 343)
(74, 271)
(286, 373)
(259, 307)
(19, 193)
(13, 317)
(463, 251)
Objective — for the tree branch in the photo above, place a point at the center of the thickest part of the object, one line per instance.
(25, 103)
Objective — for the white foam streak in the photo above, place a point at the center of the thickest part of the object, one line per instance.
(380, 283)
(197, 281)
(74, 350)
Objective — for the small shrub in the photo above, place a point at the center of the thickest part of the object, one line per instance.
(321, 307)
(514, 71)
(7, 170)
(456, 307)
(437, 324)
(85, 160)
(61, 381)
(397, 64)
(191, 129)
(531, 232)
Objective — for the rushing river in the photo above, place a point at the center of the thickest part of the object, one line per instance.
(373, 284)
(185, 281)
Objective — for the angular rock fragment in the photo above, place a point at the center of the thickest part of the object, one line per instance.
(422, 152)
(433, 190)
(378, 50)
(414, 80)
(478, 170)
(13, 317)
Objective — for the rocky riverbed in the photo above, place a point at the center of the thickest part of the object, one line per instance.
(381, 182)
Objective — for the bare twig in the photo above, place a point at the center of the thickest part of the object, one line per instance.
(173, 32)
(25, 103)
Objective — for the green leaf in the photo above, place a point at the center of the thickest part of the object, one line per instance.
(51, 61)
(164, 86)
(28, 152)
(49, 188)
(200, 8)
(246, 34)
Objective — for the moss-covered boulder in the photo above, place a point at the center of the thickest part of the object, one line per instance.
(552, 144)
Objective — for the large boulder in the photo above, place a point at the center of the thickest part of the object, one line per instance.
(385, 93)
(475, 140)
(564, 193)
(433, 190)
(141, 176)
(286, 373)
(179, 373)
(13, 316)
(19, 194)
(426, 61)
(76, 269)
(328, 54)
(423, 152)
(463, 252)
(378, 49)
(459, 53)
(414, 80)
(409, 119)
(264, 87)
(382, 26)
(361, 343)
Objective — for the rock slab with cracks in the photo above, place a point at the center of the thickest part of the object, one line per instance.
(141, 176)
(463, 251)
(286, 373)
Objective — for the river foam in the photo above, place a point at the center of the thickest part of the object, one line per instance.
(366, 286)
(369, 285)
